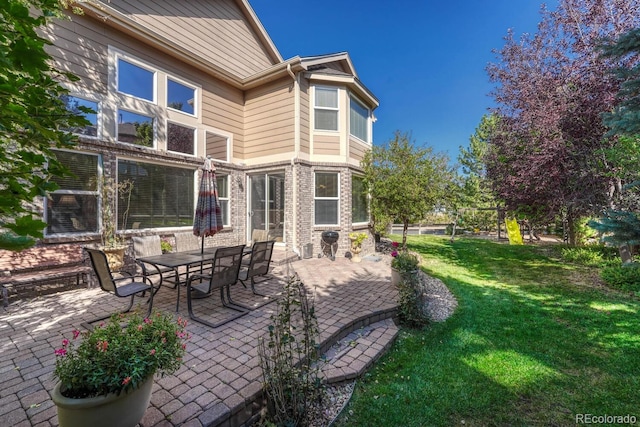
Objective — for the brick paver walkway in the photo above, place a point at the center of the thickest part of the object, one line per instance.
(220, 381)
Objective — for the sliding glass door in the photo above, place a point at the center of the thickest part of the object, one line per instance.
(266, 207)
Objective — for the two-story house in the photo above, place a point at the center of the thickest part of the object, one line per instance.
(175, 82)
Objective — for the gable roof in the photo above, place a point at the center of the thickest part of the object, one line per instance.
(226, 35)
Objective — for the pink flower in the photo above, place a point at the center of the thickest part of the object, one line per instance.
(76, 333)
(394, 244)
(65, 342)
(394, 254)
(147, 320)
(102, 346)
(153, 351)
(61, 352)
(126, 381)
(139, 327)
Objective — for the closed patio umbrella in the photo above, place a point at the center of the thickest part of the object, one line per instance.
(208, 217)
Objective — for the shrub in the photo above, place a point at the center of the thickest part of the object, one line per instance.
(622, 277)
(592, 256)
(289, 359)
(410, 301)
(404, 261)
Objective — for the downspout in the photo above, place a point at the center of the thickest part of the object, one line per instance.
(294, 175)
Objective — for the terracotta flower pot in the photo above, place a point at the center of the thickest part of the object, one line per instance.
(115, 256)
(124, 410)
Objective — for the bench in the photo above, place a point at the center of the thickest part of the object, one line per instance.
(29, 270)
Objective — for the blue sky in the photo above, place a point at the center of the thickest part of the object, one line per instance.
(425, 60)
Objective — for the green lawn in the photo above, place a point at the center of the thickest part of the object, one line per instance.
(534, 342)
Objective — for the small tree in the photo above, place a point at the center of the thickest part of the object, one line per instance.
(33, 120)
(405, 182)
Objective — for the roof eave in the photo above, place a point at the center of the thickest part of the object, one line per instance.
(350, 81)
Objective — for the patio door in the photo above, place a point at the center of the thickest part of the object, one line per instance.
(266, 207)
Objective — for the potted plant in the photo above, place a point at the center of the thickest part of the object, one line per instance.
(356, 245)
(403, 262)
(114, 245)
(106, 379)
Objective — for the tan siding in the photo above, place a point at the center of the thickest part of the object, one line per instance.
(326, 145)
(269, 119)
(305, 146)
(215, 30)
(357, 149)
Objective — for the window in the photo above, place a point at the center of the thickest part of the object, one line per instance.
(326, 108)
(154, 108)
(222, 181)
(217, 146)
(180, 138)
(326, 198)
(180, 97)
(73, 207)
(135, 128)
(359, 120)
(162, 196)
(73, 104)
(135, 81)
(359, 201)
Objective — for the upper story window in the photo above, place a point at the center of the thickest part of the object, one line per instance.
(181, 97)
(152, 107)
(359, 120)
(135, 128)
(217, 146)
(135, 80)
(73, 207)
(326, 108)
(327, 198)
(73, 104)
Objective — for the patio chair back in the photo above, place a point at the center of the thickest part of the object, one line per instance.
(186, 242)
(226, 266)
(146, 246)
(260, 258)
(101, 269)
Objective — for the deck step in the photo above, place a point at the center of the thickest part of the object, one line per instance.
(353, 355)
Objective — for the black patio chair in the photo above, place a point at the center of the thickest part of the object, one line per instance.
(144, 246)
(122, 287)
(224, 272)
(258, 264)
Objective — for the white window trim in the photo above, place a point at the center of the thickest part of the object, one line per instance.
(222, 133)
(325, 198)
(195, 137)
(228, 199)
(138, 63)
(97, 193)
(196, 94)
(353, 98)
(336, 109)
(154, 144)
(89, 96)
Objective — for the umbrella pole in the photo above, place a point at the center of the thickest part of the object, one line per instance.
(201, 253)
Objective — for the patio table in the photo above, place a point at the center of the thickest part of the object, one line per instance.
(175, 260)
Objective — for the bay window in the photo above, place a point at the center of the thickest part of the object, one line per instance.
(326, 108)
(359, 120)
(359, 201)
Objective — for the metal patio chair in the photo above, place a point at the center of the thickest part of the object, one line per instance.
(224, 273)
(257, 265)
(122, 287)
(144, 246)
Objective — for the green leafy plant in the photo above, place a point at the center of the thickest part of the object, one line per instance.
(593, 255)
(404, 261)
(165, 246)
(623, 277)
(110, 190)
(113, 359)
(288, 358)
(357, 238)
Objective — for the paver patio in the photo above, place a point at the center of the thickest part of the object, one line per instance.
(220, 381)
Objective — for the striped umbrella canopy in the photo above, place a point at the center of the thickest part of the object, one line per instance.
(208, 217)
